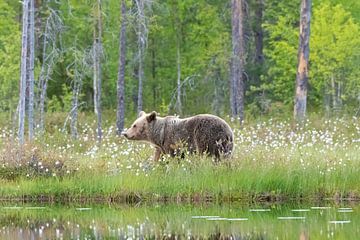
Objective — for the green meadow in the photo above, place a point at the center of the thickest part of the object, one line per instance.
(273, 161)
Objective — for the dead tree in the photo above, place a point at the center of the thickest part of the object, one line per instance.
(237, 85)
(77, 84)
(120, 113)
(31, 78)
(177, 28)
(81, 67)
(178, 105)
(97, 53)
(23, 69)
(78, 69)
(142, 34)
(50, 52)
(302, 73)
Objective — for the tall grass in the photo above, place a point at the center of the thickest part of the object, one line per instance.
(271, 162)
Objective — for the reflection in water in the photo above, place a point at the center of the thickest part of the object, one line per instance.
(178, 222)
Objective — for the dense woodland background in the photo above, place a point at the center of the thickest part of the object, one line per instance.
(179, 52)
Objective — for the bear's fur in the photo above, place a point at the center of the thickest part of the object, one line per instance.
(202, 133)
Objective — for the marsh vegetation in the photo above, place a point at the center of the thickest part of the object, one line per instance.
(273, 161)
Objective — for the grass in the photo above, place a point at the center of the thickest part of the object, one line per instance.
(271, 162)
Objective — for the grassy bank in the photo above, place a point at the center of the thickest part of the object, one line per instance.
(272, 161)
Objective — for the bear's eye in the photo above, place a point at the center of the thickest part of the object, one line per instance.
(134, 126)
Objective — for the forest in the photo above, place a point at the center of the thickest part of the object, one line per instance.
(174, 57)
(284, 74)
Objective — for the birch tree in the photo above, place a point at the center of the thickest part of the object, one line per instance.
(31, 78)
(141, 46)
(142, 34)
(77, 84)
(97, 53)
(23, 71)
(302, 73)
(176, 22)
(120, 113)
(237, 85)
(178, 105)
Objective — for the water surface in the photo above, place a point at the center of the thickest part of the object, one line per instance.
(180, 222)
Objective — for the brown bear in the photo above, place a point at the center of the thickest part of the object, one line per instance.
(202, 133)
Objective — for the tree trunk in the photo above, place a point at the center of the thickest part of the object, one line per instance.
(23, 74)
(302, 74)
(333, 92)
(327, 100)
(43, 85)
(31, 79)
(237, 60)
(259, 36)
(338, 98)
(75, 104)
(97, 69)
(178, 90)
(141, 46)
(120, 113)
(43, 78)
(336, 95)
(217, 100)
(53, 27)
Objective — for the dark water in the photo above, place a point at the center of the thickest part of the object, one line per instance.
(236, 221)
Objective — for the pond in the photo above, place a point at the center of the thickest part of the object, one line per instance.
(235, 221)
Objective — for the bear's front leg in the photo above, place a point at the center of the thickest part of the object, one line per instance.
(157, 154)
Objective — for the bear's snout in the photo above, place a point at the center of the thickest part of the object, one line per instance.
(123, 133)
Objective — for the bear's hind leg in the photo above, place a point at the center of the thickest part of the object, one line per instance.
(157, 154)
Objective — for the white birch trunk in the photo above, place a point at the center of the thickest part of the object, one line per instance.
(178, 96)
(23, 73)
(141, 46)
(120, 113)
(31, 71)
(75, 106)
(97, 69)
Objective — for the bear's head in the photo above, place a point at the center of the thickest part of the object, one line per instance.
(139, 130)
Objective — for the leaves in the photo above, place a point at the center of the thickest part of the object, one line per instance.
(203, 29)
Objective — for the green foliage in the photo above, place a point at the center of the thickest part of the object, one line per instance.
(202, 30)
(10, 48)
(282, 57)
(335, 50)
(334, 54)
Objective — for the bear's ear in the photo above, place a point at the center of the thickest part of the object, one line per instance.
(142, 113)
(151, 116)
